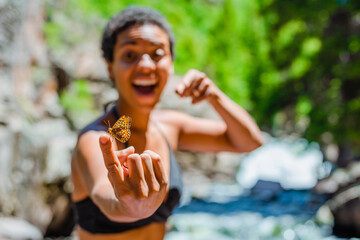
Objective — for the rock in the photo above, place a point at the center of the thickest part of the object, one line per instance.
(35, 154)
(324, 216)
(59, 141)
(345, 207)
(266, 190)
(226, 167)
(294, 164)
(59, 158)
(80, 59)
(63, 221)
(343, 185)
(18, 229)
(36, 148)
(246, 225)
(347, 220)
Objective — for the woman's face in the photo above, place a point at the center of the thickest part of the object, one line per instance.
(142, 64)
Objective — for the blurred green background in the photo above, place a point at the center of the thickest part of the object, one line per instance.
(294, 65)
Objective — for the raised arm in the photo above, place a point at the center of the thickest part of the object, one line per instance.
(237, 132)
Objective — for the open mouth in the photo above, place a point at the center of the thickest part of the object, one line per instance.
(144, 87)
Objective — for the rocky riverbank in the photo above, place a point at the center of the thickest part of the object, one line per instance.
(39, 121)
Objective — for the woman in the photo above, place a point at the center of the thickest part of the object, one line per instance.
(134, 192)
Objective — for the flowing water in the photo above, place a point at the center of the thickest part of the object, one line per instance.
(289, 215)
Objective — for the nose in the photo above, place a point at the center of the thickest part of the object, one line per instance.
(146, 63)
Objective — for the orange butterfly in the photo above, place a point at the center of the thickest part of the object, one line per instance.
(121, 129)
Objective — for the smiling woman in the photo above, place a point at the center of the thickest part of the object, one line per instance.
(129, 192)
(141, 64)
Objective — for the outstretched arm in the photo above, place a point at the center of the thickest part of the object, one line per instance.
(123, 194)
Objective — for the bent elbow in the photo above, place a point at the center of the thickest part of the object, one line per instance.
(256, 143)
(259, 141)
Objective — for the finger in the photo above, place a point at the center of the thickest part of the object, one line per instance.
(203, 94)
(111, 162)
(122, 157)
(187, 79)
(179, 90)
(186, 82)
(204, 84)
(195, 82)
(159, 169)
(150, 178)
(194, 88)
(136, 175)
(123, 154)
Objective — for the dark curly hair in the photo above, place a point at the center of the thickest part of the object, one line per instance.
(128, 17)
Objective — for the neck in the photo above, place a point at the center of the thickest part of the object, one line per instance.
(140, 117)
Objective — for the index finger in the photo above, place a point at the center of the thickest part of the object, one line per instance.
(110, 159)
(190, 75)
(185, 82)
(191, 80)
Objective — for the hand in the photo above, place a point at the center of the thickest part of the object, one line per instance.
(196, 85)
(139, 181)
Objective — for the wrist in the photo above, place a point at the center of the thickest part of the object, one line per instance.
(214, 94)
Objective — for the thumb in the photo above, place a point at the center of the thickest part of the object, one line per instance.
(180, 88)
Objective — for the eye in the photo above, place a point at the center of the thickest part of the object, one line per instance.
(129, 56)
(158, 54)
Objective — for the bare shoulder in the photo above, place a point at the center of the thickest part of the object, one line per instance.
(87, 148)
(88, 139)
(89, 136)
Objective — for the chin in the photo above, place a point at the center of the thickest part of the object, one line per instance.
(147, 104)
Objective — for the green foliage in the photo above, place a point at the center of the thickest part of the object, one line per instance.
(78, 98)
(78, 103)
(287, 62)
(311, 46)
(52, 31)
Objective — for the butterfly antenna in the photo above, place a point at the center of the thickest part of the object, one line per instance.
(109, 126)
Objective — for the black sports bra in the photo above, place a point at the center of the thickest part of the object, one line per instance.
(91, 219)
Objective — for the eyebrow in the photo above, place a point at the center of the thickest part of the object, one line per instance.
(127, 42)
(133, 42)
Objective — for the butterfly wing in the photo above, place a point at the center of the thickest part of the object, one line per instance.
(123, 135)
(123, 123)
(121, 129)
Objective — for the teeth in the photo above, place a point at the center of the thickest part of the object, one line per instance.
(144, 82)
